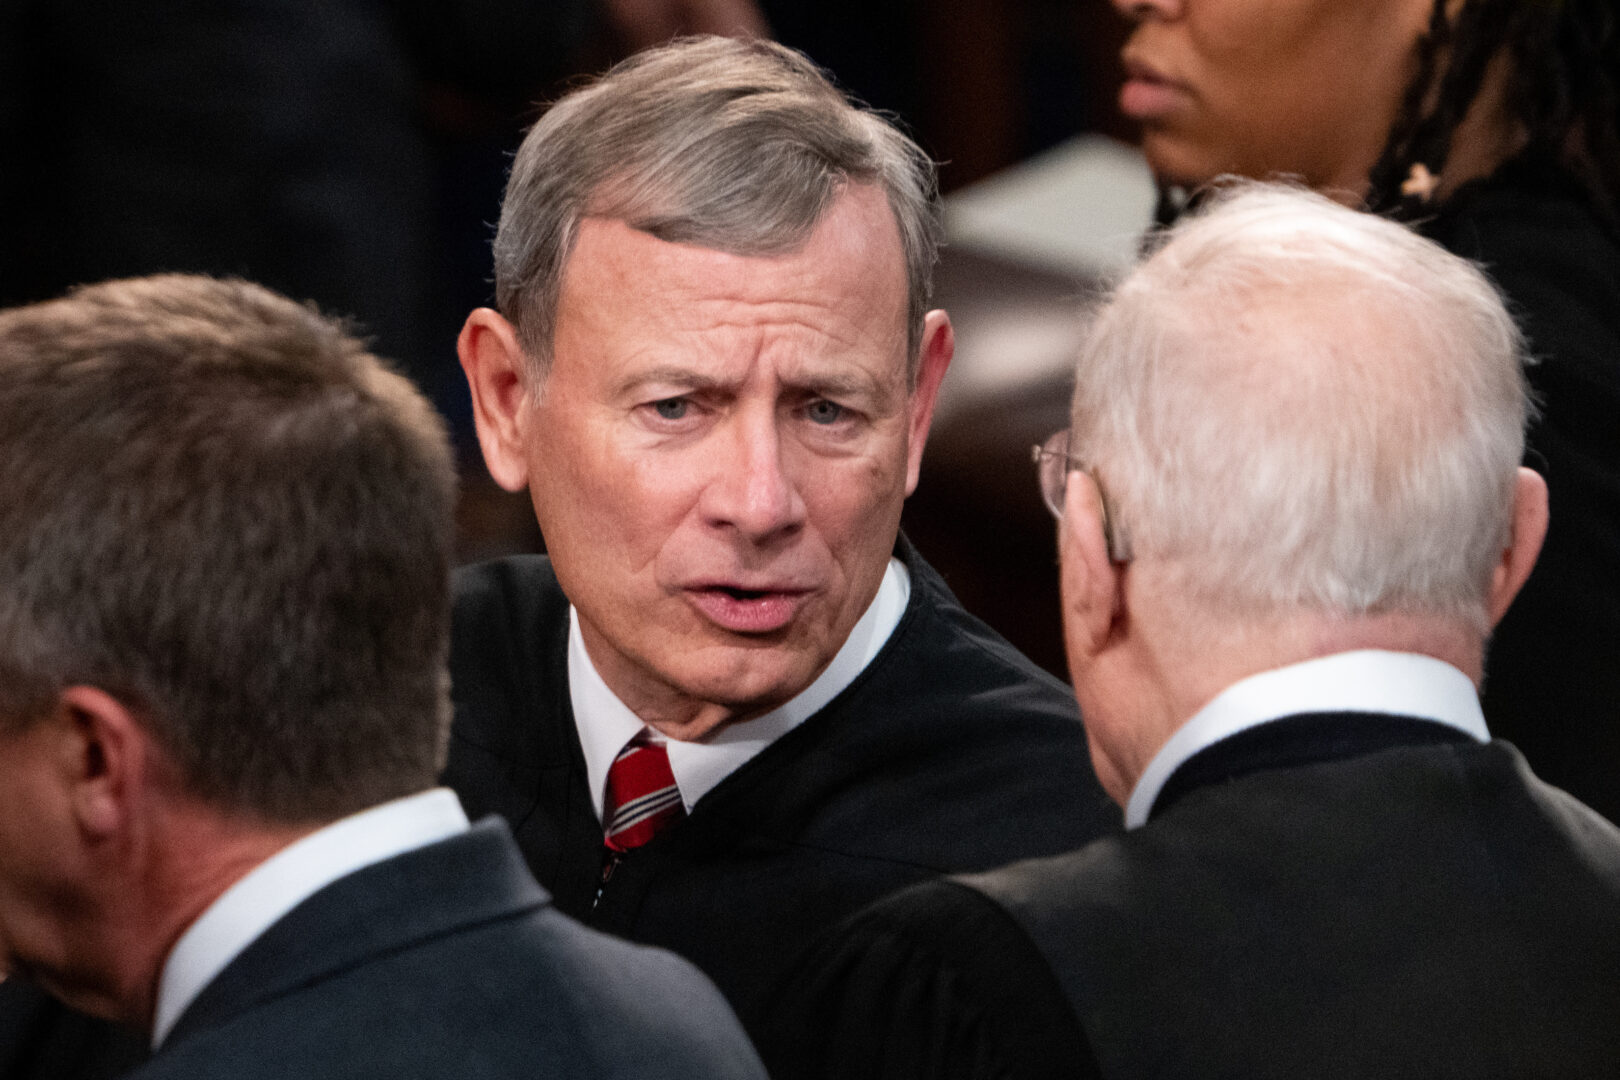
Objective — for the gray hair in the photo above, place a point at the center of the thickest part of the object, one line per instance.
(737, 146)
(1304, 406)
(220, 509)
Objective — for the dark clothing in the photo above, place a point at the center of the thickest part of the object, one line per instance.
(40, 1039)
(444, 961)
(1335, 895)
(936, 982)
(950, 752)
(1552, 684)
(450, 961)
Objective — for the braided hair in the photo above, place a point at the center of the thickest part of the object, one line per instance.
(1563, 91)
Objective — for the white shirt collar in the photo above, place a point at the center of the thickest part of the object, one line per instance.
(1367, 680)
(290, 876)
(605, 723)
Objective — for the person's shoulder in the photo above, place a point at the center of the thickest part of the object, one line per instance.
(968, 753)
(934, 980)
(508, 646)
(1556, 258)
(1527, 205)
(963, 663)
(1097, 879)
(948, 693)
(1545, 824)
(534, 993)
(505, 585)
(642, 1011)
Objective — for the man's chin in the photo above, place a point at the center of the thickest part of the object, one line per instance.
(725, 700)
(710, 717)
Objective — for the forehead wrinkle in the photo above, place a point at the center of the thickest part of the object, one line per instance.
(688, 378)
(819, 313)
(792, 343)
(714, 367)
(717, 308)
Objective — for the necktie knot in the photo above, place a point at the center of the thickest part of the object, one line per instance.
(642, 799)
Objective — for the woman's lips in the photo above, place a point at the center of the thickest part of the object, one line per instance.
(1148, 95)
(747, 611)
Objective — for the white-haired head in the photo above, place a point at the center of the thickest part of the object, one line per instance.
(1296, 406)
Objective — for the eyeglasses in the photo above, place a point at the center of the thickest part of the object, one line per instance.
(1053, 464)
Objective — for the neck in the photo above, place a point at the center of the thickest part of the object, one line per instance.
(1180, 671)
(665, 708)
(196, 855)
(1487, 135)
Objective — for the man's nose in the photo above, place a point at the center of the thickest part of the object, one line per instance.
(1143, 10)
(750, 490)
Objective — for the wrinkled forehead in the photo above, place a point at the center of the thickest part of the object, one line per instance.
(844, 282)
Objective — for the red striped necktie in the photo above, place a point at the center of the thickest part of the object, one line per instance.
(642, 799)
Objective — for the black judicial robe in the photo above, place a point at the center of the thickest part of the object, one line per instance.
(951, 752)
(1330, 895)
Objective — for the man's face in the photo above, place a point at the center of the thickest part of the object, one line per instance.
(719, 455)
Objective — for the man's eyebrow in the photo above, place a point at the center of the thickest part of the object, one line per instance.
(685, 378)
(836, 383)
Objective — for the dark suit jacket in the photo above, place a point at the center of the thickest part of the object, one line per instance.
(951, 752)
(1323, 896)
(449, 961)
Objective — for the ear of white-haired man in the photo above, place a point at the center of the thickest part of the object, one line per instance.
(1139, 653)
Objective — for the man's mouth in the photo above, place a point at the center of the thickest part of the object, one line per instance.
(747, 610)
(742, 594)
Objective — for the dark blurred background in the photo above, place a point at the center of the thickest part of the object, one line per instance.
(353, 152)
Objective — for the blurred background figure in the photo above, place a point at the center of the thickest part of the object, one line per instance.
(1492, 126)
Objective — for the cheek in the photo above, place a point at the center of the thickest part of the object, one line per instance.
(1317, 108)
(1250, 72)
(857, 521)
(594, 500)
(854, 499)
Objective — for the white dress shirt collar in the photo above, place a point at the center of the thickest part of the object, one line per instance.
(1368, 680)
(605, 723)
(273, 888)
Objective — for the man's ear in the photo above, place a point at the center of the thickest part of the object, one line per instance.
(938, 346)
(104, 757)
(1090, 579)
(1529, 530)
(497, 376)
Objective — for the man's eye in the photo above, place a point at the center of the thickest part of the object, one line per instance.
(672, 408)
(823, 411)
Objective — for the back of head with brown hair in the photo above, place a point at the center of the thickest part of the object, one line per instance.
(225, 512)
